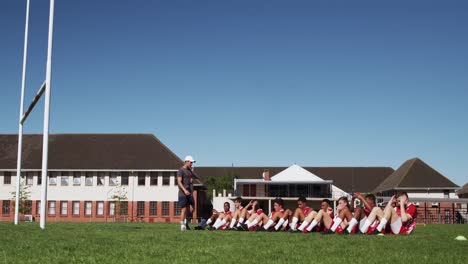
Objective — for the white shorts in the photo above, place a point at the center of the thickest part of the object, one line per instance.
(362, 222)
(396, 226)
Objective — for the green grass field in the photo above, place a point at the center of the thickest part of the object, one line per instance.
(164, 243)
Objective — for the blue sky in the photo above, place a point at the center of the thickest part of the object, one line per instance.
(259, 83)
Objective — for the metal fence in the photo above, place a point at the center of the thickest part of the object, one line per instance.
(442, 215)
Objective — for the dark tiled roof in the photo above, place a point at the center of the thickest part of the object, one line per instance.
(90, 151)
(463, 190)
(414, 173)
(350, 179)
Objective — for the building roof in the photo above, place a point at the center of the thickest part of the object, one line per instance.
(350, 179)
(295, 173)
(414, 173)
(90, 152)
(463, 190)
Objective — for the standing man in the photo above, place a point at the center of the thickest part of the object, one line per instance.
(184, 181)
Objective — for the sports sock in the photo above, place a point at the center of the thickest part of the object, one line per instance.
(351, 225)
(253, 223)
(278, 225)
(366, 225)
(312, 225)
(209, 221)
(241, 220)
(303, 225)
(336, 222)
(286, 222)
(220, 224)
(268, 224)
(216, 222)
(382, 224)
(294, 223)
(233, 223)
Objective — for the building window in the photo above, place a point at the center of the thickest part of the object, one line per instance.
(30, 178)
(6, 207)
(153, 178)
(38, 207)
(140, 208)
(249, 190)
(176, 209)
(64, 180)
(446, 194)
(111, 208)
(113, 179)
(39, 178)
(101, 178)
(27, 206)
(124, 178)
(88, 208)
(100, 208)
(166, 178)
(123, 208)
(63, 208)
(53, 178)
(165, 208)
(77, 178)
(51, 207)
(89, 179)
(76, 208)
(153, 208)
(7, 177)
(141, 178)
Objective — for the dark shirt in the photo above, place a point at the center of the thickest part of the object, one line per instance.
(186, 175)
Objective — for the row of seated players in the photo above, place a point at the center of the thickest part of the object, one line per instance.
(398, 217)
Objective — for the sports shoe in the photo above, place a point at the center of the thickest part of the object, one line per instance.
(328, 232)
(244, 227)
(198, 228)
(345, 232)
(187, 227)
(359, 232)
(375, 232)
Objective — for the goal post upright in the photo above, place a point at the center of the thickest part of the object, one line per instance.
(45, 141)
(20, 126)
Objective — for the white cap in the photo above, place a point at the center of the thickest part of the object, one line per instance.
(189, 158)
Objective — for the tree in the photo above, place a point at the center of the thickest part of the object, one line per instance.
(225, 182)
(119, 195)
(24, 195)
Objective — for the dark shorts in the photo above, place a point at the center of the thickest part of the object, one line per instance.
(186, 200)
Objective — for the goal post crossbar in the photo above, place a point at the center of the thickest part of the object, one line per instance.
(38, 96)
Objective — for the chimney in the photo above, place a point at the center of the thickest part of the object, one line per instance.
(266, 175)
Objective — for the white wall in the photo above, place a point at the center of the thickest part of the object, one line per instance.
(97, 193)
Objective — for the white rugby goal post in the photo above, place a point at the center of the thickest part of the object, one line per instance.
(45, 88)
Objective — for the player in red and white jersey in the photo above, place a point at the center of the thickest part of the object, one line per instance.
(239, 214)
(251, 215)
(403, 218)
(342, 218)
(220, 218)
(275, 217)
(310, 223)
(300, 214)
(360, 214)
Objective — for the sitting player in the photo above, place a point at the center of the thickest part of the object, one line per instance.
(343, 217)
(324, 206)
(300, 214)
(238, 215)
(324, 217)
(274, 217)
(220, 218)
(361, 213)
(252, 210)
(402, 218)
